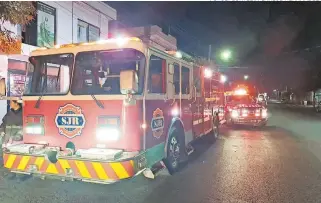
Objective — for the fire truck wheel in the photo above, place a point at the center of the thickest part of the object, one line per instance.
(263, 125)
(174, 151)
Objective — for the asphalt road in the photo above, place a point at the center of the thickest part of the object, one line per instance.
(277, 164)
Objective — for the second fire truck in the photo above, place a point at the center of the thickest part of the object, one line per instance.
(106, 111)
(242, 109)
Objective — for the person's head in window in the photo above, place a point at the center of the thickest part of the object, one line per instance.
(15, 105)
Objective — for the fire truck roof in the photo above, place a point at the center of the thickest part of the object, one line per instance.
(118, 43)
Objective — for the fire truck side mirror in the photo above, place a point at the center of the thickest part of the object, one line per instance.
(128, 82)
(2, 87)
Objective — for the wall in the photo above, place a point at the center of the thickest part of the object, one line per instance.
(3, 74)
(95, 13)
(152, 35)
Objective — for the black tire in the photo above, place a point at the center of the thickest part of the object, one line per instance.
(263, 125)
(175, 150)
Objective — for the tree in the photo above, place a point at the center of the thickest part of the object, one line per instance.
(15, 13)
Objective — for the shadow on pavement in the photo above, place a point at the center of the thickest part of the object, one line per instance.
(201, 145)
(251, 128)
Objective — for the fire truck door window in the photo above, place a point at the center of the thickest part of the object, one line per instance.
(157, 75)
(185, 80)
(176, 79)
(49, 74)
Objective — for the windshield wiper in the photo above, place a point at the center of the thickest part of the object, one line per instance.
(44, 89)
(37, 105)
(99, 104)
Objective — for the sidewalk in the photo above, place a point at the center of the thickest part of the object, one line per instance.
(307, 129)
(299, 105)
(307, 110)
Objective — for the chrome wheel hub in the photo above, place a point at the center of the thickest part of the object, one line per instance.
(174, 151)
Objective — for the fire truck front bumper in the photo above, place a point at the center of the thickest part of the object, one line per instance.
(75, 168)
(249, 121)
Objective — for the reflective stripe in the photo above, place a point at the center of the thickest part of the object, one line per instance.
(100, 170)
(82, 169)
(79, 168)
(14, 127)
(23, 162)
(119, 170)
(10, 161)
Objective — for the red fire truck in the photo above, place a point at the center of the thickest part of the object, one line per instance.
(241, 108)
(106, 111)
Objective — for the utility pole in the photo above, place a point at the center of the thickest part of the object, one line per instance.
(72, 22)
(209, 52)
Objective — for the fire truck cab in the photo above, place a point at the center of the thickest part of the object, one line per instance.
(241, 108)
(106, 111)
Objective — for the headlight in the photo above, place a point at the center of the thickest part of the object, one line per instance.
(234, 114)
(264, 113)
(257, 112)
(107, 134)
(245, 112)
(34, 130)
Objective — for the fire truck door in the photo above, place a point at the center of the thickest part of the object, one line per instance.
(197, 104)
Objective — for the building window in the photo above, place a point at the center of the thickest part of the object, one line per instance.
(185, 80)
(46, 25)
(93, 34)
(42, 30)
(157, 75)
(82, 31)
(87, 32)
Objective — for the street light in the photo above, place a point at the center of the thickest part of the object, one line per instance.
(246, 77)
(223, 79)
(226, 55)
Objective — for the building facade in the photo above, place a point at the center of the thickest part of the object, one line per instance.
(56, 22)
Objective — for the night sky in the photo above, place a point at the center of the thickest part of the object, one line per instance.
(268, 37)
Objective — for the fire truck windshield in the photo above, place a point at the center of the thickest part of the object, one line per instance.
(239, 99)
(49, 75)
(98, 72)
